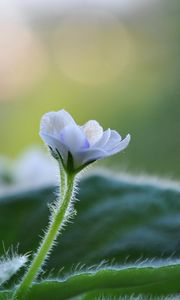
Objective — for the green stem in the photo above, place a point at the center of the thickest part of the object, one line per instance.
(47, 242)
(63, 180)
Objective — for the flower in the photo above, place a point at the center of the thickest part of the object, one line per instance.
(77, 146)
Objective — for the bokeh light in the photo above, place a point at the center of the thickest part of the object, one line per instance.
(92, 46)
(114, 61)
(22, 61)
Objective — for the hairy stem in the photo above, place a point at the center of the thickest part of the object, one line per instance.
(48, 240)
(63, 180)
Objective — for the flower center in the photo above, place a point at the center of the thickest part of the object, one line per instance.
(93, 131)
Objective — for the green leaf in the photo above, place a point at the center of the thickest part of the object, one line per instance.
(117, 218)
(153, 280)
(111, 283)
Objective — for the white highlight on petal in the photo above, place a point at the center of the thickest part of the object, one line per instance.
(93, 131)
(54, 122)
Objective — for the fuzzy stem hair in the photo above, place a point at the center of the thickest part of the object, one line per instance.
(58, 217)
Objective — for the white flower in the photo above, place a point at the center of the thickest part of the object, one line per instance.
(75, 145)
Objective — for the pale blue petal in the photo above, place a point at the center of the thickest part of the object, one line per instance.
(60, 131)
(121, 146)
(55, 144)
(89, 155)
(113, 140)
(53, 122)
(115, 136)
(93, 153)
(104, 139)
(73, 138)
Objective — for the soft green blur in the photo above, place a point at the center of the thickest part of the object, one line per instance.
(122, 70)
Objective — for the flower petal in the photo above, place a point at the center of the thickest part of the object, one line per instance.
(93, 154)
(104, 139)
(82, 144)
(93, 131)
(53, 122)
(54, 143)
(113, 140)
(88, 155)
(121, 146)
(73, 138)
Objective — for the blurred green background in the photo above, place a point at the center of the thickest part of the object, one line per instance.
(114, 61)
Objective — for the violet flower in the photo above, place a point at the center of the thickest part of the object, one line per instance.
(78, 146)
